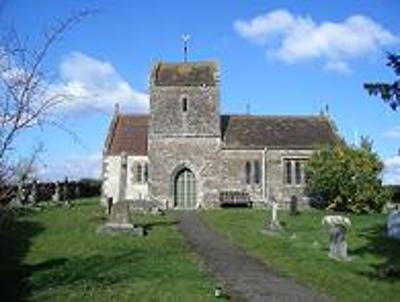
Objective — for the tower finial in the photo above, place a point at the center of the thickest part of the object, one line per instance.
(327, 109)
(116, 109)
(185, 39)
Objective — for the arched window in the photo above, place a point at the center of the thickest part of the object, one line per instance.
(247, 171)
(256, 172)
(146, 172)
(184, 104)
(288, 172)
(298, 172)
(139, 178)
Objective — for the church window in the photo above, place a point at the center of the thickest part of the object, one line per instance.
(139, 178)
(146, 172)
(294, 171)
(248, 172)
(184, 104)
(256, 172)
(288, 172)
(297, 172)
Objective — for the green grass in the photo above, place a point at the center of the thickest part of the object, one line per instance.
(301, 252)
(57, 255)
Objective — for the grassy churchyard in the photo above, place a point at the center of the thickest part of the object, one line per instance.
(57, 255)
(301, 251)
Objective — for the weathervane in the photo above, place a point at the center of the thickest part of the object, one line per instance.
(185, 38)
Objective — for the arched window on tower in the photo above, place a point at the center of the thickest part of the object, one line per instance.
(146, 172)
(184, 104)
(247, 171)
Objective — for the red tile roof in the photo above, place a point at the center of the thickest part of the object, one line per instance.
(185, 74)
(128, 133)
(251, 131)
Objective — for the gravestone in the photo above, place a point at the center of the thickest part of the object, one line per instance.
(65, 193)
(273, 224)
(119, 221)
(123, 177)
(393, 225)
(20, 195)
(338, 226)
(33, 196)
(293, 205)
(57, 192)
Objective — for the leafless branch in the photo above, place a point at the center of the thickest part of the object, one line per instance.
(26, 98)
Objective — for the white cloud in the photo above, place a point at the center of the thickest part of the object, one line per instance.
(292, 39)
(393, 133)
(338, 67)
(391, 172)
(88, 166)
(95, 85)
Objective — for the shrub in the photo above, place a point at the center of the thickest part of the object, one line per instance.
(347, 179)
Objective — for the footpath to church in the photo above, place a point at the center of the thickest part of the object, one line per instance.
(244, 277)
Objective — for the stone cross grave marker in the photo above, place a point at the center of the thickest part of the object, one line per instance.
(120, 222)
(338, 226)
(273, 225)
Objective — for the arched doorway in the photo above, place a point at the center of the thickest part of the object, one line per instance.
(185, 189)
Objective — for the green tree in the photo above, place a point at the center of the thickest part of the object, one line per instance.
(347, 179)
(388, 92)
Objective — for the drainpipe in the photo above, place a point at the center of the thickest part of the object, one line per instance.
(264, 189)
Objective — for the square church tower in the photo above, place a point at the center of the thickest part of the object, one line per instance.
(184, 133)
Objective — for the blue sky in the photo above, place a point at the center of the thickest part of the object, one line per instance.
(281, 57)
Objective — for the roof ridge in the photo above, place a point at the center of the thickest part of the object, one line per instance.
(206, 62)
(134, 114)
(316, 116)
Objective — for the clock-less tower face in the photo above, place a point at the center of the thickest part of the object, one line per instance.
(184, 135)
(184, 99)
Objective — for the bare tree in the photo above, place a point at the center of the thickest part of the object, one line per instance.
(26, 96)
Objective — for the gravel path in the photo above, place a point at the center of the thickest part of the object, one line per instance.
(244, 277)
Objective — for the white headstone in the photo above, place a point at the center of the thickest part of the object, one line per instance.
(338, 226)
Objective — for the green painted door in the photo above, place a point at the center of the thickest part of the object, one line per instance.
(185, 190)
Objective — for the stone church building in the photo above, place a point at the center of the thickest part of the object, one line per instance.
(185, 154)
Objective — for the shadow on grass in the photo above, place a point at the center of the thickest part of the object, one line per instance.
(16, 235)
(153, 224)
(92, 271)
(379, 244)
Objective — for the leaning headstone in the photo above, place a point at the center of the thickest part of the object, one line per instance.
(393, 225)
(119, 221)
(338, 227)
